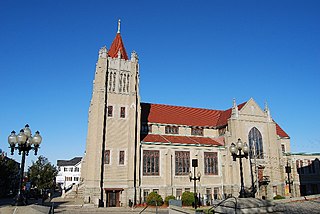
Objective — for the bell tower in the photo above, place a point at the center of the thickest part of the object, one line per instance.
(109, 171)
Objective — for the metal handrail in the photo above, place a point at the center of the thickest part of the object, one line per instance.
(143, 209)
(148, 206)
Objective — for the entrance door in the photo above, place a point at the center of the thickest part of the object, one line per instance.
(112, 199)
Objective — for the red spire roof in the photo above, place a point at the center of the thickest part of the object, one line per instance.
(116, 46)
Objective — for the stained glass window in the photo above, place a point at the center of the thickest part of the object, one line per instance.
(150, 162)
(211, 163)
(182, 161)
(255, 143)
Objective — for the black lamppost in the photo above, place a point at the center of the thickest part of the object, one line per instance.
(288, 171)
(23, 142)
(241, 153)
(194, 178)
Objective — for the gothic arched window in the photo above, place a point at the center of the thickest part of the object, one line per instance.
(120, 83)
(255, 143)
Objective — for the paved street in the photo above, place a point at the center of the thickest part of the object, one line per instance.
(301, 207)
(73, 206)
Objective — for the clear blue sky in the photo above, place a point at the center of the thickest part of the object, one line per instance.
(192, 53)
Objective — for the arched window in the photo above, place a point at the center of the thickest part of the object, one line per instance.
(255, 143)
(124, 82)
(128, 82)
(120, 83)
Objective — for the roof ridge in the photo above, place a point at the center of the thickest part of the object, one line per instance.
(182, 106)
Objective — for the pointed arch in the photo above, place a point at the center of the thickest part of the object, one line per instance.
(120, 83)
(128, 82)
(255, 143)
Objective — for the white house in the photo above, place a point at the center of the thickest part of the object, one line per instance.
(69, 172)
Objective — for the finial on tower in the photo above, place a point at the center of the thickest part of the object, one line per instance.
(235, 110)
(119, 23)
(267, 111)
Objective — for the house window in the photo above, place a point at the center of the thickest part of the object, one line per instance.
(197, 131)
(178, 193)
(187, 189)
(182, 161)
(283, 148)
(211, 163)
(71, 169)
(76, 179)
(110, 111)
(172, 130)
(156, 191)
(121, 158)
(107, 157)
(68, 178)
(209, 194)
(255, 143)
(123, 112)
(65, 169)
(145, 195)
(76, 169)
(59, 168)
(150, 162)
(215, 193)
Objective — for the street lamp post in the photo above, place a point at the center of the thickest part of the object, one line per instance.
(194, 178)
(240, 150)
(23, 142)
(288, 171)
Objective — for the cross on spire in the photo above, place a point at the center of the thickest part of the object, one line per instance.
(119, 23)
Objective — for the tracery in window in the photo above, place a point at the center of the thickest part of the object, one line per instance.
(182, 162)
(210, 163)
(151, 162)
(255, 143)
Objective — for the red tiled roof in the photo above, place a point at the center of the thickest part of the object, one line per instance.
(182, 140)
(225, 115)
(117, 45)
(166, 114)
(280, 132)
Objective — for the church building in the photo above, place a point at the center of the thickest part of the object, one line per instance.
(134, 148)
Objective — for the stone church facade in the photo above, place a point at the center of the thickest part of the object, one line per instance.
(135, 148)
